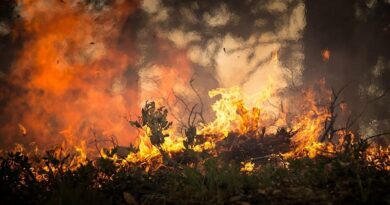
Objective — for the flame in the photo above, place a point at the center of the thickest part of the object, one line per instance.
(247, 166)
(148, 151)
(233, 115)
(309, 126)
(379, 152)
(70, 71)
(82, 151)
(72, 77)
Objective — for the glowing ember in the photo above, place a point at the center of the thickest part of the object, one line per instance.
(325, 55)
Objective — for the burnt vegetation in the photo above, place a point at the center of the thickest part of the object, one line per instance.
(351, 174)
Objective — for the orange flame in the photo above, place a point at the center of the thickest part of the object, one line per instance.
(72, 76)
(71, 72)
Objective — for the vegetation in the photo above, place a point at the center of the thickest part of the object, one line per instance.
(350, 175)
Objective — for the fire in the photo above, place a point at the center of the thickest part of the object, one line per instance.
(72, 77)
(309, 125)
(82, 151)
(376, 152)
(146, 152)
(325, 55)
(247, 166)
(233, 115)
(70, 72)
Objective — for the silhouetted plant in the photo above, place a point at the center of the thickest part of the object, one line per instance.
(156, 120)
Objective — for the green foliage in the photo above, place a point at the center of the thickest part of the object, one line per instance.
(156, 120)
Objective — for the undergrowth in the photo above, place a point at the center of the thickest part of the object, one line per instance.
(350, 175)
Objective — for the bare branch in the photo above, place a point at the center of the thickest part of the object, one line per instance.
(200, 113)
(378, 135)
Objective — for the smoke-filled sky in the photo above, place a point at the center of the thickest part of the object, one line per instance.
(74, 69)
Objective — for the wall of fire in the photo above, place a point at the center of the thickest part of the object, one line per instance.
(73, 69)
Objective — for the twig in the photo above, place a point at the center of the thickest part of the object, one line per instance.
(200, 113)
(368, 102)
(96, 142)
(329, 123)
(181, 100)
(378, 135)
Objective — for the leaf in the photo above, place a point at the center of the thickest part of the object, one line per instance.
(135, 124)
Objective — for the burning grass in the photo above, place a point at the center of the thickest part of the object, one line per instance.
(232, 160)
(351, 176)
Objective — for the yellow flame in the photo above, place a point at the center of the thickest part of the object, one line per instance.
(233, 115)
(247, 166)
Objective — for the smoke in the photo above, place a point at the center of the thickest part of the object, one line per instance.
(356, 36)
(254, 45)
(84, 67)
